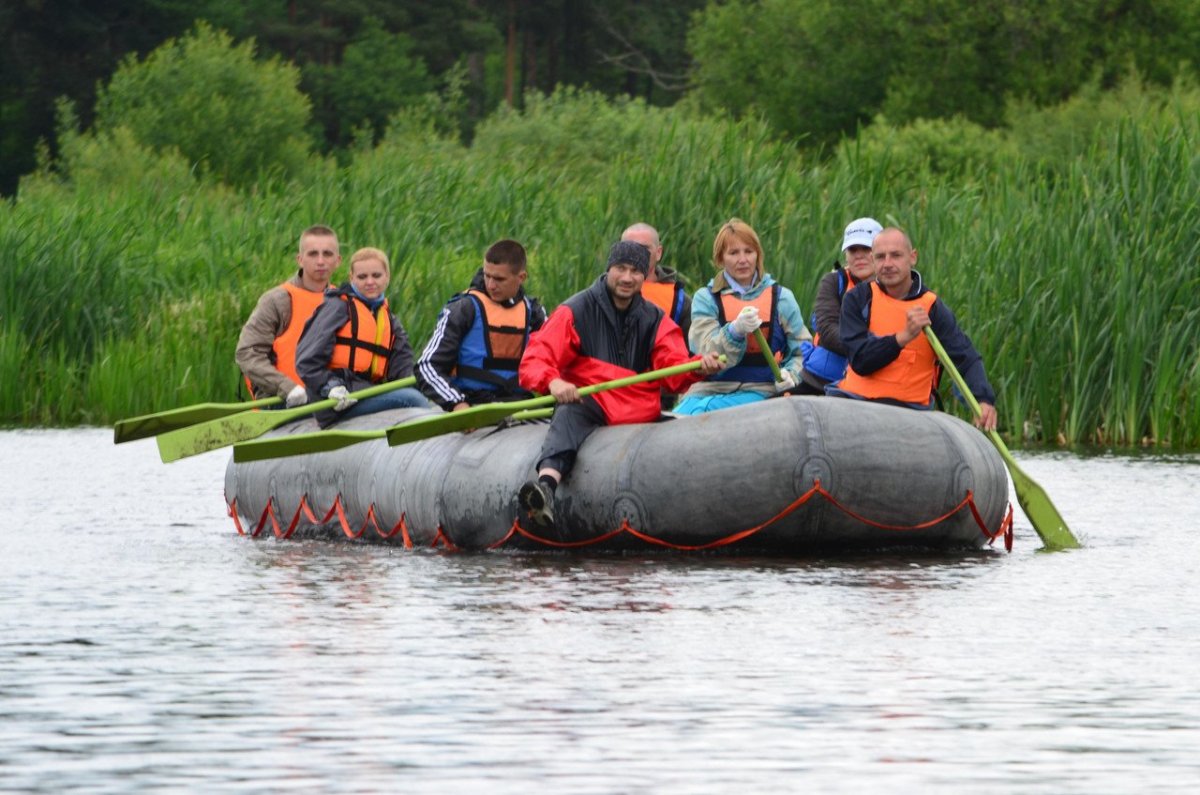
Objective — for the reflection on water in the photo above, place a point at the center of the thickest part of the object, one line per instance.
(146, 647)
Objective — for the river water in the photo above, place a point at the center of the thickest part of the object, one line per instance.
(146, 647)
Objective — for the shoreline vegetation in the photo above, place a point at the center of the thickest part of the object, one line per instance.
(1067, 241)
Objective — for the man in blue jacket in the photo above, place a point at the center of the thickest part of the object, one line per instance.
(883, 325)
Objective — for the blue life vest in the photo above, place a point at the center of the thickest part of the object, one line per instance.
(491, 349)
(820, 361)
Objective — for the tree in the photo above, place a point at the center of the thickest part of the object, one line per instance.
(62, 48)
(612, 46)
(377, 75)
(212, 100)
(818, 68)
(813, 70)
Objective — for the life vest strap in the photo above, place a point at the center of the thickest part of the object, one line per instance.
(486, 376)
(370, 347)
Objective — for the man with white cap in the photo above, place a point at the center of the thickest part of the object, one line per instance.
(825, 356)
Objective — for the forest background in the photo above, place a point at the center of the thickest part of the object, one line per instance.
(158, 159)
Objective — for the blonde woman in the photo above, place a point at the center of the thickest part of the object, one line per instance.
(353, 341)
(741, 298)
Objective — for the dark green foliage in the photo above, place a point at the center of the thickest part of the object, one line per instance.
(232, 115)
(56, 48)
(64, 48)
(813, 70)
(377, 76)
(816, 69)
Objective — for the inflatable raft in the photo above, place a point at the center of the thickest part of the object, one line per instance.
(783, 476)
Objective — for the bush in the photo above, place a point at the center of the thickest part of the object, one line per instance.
(1057, 134)
(108, 162)
(953, 148)
(222, 109)
(571, 128)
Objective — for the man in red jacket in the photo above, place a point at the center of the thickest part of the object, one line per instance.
(605, 332)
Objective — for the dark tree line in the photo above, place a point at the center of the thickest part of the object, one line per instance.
(396, 50)
(813, 69)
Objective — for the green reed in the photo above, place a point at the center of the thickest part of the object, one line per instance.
(126, 281)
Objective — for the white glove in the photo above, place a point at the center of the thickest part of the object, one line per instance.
(342, 396)
(746, 321)
(786, 382)
(297, 397)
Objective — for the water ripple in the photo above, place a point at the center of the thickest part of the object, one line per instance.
(147, 648)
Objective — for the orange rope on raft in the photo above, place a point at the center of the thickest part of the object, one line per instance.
(1004, 529)
(442, 539)
(269, 513)
(304, 509)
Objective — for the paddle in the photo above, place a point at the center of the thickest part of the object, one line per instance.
(489, 413)
(128, 430)
(432, 425)
(224, 431)
(325, 441)
(768, 355)
(1046, 519)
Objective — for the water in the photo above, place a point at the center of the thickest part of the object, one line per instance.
(145, 647)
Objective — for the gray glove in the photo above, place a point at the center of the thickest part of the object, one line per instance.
(297, 397)
(342, 396)
(787, 381)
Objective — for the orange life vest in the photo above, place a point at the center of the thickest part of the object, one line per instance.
(913, 376)
(364, 343)
(667, 296)
(507, 330)
(283, 350)
(753, 367)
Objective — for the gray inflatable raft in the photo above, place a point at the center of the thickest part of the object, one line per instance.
(789, 475)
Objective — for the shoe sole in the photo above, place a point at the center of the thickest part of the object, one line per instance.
(533, 501)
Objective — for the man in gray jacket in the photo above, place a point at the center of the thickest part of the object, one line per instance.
(266, 348)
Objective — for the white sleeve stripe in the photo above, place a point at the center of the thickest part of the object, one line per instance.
(429, 372)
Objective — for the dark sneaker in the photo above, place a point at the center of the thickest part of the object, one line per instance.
(538, 503)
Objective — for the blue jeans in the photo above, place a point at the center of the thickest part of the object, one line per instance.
(406, 398)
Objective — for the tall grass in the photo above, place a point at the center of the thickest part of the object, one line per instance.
(127, 277)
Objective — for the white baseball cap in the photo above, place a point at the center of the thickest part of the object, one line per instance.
(861, 232)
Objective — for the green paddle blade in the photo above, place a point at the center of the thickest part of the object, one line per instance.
(326, 441)
(1036, 504)
(127, 430)
(491, 413)
(465, 420)
(301, 444)
(245, 425)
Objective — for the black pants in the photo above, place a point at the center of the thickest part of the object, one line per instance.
(807, 388)
(571, 425)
